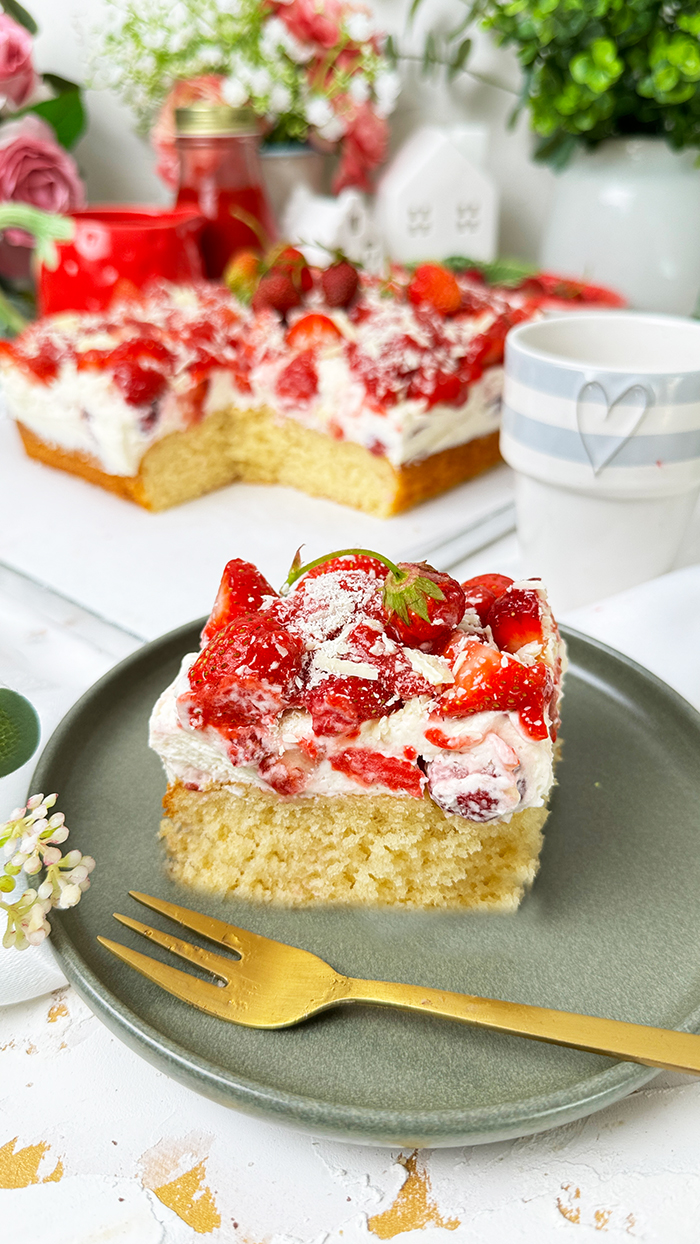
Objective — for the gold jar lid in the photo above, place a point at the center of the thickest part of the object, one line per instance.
(205, 120)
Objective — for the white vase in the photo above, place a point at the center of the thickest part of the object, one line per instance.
(627, 215)
(286, 165)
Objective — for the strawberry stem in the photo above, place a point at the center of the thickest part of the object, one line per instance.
(297, 570)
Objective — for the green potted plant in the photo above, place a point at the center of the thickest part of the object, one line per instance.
(613, 91)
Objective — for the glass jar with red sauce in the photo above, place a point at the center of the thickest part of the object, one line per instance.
(221, 175)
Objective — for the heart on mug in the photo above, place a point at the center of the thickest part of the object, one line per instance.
(615, 421)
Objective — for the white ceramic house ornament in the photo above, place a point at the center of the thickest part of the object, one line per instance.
(320, 224)
(434, 200)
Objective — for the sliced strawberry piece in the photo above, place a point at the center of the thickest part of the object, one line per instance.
(287, 774)
(242, 590)
(372, 769)
(312, 331)
(516, 619)
(340, 704)
(478, 598)
(437, 286)
(298, 382)
(448, 388)
(246, 673)
(486, 679)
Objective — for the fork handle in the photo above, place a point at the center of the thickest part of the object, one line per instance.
(638, 1043)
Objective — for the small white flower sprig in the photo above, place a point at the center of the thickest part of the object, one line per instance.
(31, 839)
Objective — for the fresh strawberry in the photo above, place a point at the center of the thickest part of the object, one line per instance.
(422, 605)
(549, 285)
(242, 275)
(482, 591)
(437, 286)
(516, 619)
(340, 283)
(340, 704)
(486, 679)
(480, 599)
(312, 331)
(373, 769)
(349, 561)
(245, 673)
(275, 292)
(292, 263)
(496, 583)
(298, 382)
(242, 590)
(448, 388)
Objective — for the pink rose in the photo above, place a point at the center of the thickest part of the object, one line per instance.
(313, 21)
(186, 91)
(35, 169)
(18, 80)
(363, 149)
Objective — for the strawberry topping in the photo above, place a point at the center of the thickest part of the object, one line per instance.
(296, 681)
(245, 673)
(374, 769)
(516, 619)
(312, 331)
(437, 286)
(422, 605)
(340, 283)
(486, 679)
(299, 380)
(242, 590)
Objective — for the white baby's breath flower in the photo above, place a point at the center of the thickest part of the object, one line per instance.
(234, 92)
(359, 27)
(332, 130)
(359, 90)
(280, 97)
(387, 86)
(318, 111)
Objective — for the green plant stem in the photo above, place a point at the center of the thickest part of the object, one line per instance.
(296, 572)
(471, 73)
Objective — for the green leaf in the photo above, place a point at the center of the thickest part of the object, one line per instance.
(19, 731)
(415, 5)
(15, 10)
(65, 114)
(508, 272)
(58, 84)
(459, 59)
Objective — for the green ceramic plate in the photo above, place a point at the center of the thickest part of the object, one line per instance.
(612, 927)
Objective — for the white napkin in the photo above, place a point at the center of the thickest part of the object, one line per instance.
(654, 624)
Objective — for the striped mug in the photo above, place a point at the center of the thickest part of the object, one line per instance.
(601, 423)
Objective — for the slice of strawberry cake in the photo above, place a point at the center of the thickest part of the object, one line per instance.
(376, 734)
(377, 393)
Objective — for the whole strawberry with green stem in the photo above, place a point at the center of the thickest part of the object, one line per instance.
(422, 605)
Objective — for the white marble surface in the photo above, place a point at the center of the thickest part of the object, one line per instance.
(149, 573)
(95, 1145)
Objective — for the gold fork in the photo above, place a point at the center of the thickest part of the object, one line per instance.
(273, 985)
